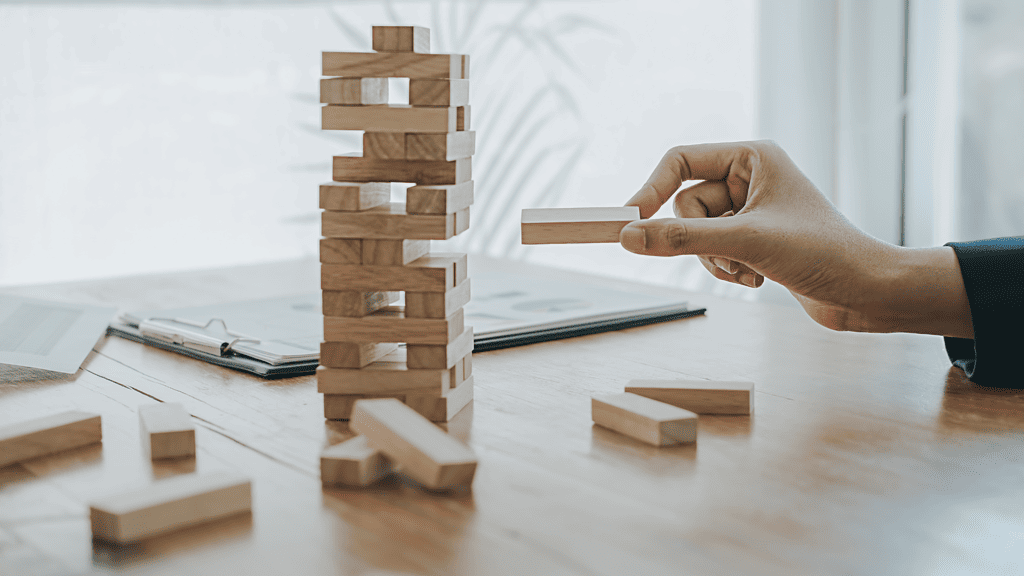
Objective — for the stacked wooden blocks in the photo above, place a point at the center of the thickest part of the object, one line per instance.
(372, 249)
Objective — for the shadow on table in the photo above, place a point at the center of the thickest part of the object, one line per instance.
(967, 406)
(110, 555)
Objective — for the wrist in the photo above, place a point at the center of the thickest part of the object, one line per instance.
(925, 294)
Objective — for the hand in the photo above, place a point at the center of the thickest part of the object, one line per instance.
(756, 216)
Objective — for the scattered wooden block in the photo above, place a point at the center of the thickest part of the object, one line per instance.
(431, 406)
(437, 272)
(439, 199)
(575, 225)
(388, 222)
(354, 91)
(393, 252)
(341, 251)
(355, 304)
(384, 145)
(437, 304)
(700, 396)
(339, 406)
(438, 92)
(388, 376)
(461, 118)
(401, 39)
(391, 325)
(47, 435)
(350, 196)
(354, 354)
(392, 118)
(440, 147)
(167, 431)
(423, 451)
(169, 505)
(440, 356)
(395, 65)
(352, 463)
(358, 169)
(644, 419)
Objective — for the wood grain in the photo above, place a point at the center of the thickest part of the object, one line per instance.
(647, 420)
(384, 145)
(359, 169)
(352, 463)
(355, 304)
(401, 39)
(391, 325)
(341, 251)
(462, 117)
(389, 222)
(433, 407)
(438, 272)
(352, 196)
(700, 396)
(393, 252)
(575, 225)
(394, 65)
(354, 354)
(389, 375)
(438, 92)
(439, 199)
(440, 147)
(437, 304)
(392, 118)
(440, 356)
(354, 91)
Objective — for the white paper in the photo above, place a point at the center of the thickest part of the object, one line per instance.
(53, 336)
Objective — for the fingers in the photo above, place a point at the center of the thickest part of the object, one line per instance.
(737, 273)
(724, 237)
(708, 199)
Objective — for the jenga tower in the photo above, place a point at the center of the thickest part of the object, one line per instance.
(373, 248)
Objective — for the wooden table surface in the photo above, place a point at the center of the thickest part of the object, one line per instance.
(866, 454)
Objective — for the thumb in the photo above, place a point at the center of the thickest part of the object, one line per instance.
(675, 236)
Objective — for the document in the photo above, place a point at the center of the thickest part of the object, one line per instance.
(52, 336)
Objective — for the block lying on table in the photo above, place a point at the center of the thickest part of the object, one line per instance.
(167, 431)
(700, 396)
(353, 463)
(47, 435)
(575, 225)
(644, 419)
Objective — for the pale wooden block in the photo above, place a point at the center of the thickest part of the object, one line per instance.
(350, 196)
(401, 39)
(393, 252)
(358, 169)
(353, 463)
(462, 221)
(167, 430)
(387, 376)
(392, 118)
(576, 225)
(354, 91)
(169, 505)
(644, 419)
(339, 406)
(447, 147)
(440, 356)
(700, 396)
(461, 118)
(467, 370)
(439, 199)
(391, 325)
(423, 451)
(355, 304)
(47, 435)
(388, 222)
(438, 92)
(438, 272)
(354, 354)
(465, 66)
(442, 408)
(437, 304)
(341, 251)
(384, 145)
(394, 65)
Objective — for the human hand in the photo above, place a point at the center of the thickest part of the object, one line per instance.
(756, 216)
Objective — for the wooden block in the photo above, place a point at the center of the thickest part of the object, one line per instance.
(354, 354)
(437, 272)
(352, 463)
(355, 168)
(391, 325)
(423, 451)
(576, 225)
(350, 196)
(47, 435)
(442, 408)
(447, 147)
(341, 251)
(461, 118)
(700, 396)
(467, 371)
(393, 65)
(389, 222)
(438, 92)
(393, 252)
(401, 39)
(392, 118)
(462, 221)
(339, 406)
(440, 356)
(167, 430)
(388, 376)
(644, 419)
(354, 91)
(437, 304)
(465, 66)
(169, 505)
(439, 199)
(355, 304)
(384, 145)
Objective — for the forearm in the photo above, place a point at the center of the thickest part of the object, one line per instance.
(925, 294)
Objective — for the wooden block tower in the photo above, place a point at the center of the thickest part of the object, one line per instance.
(372, 249)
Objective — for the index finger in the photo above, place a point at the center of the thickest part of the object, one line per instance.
(729, 161)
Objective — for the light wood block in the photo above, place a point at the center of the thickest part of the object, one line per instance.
(388, 376)
(354, 354)
(700, 396)
(462, 221)
(437, 272)
(385, 145)
(392, 118)
(358, 169)
(447, 147)
(439, 199)
(339, 406)
(341, 251)
(47, 435)
(391, 325)
(393, 252)
(349, 196)
(355, 304)
(401, 39)
(352, 463)
(576, 225)
(431, 406)
(467, 370)
(461, 118)
(354, 91)
(423, 451)
(394, 65)
(644, 419)
(432, 356)
(438, 92)
(437, 304)
(388, 222)
(167, 431)
(169, 505)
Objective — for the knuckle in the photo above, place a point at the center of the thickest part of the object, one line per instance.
(675, 236)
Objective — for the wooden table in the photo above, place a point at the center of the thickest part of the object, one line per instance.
(866, 454)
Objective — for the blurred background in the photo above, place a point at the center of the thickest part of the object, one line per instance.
(145, 136)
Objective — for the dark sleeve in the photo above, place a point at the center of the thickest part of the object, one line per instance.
(993, 272)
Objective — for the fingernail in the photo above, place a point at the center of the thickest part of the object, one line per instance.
(633, 238)
(748, 279)
(725, 265)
